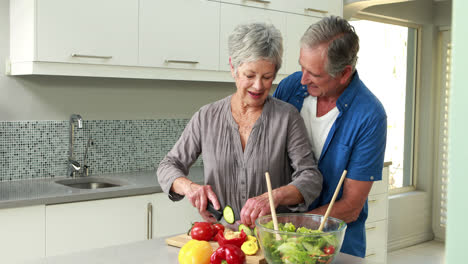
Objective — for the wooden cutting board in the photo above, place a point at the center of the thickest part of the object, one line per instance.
(180, 240)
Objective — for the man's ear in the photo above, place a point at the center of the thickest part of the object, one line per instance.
(346, 74)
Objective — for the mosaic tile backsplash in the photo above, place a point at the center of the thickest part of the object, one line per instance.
(39, 149)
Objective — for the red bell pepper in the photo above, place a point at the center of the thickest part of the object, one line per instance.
(230, 254)
(233, 241)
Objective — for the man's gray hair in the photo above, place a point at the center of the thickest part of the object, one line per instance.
(343, 42)
(255, 41)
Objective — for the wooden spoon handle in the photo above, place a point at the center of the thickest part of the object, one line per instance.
(337, 190)
(272, 204)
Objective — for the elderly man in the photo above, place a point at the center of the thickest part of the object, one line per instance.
(346, 123)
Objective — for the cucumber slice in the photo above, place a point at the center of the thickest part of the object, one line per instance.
(255, 232)
(246, 229)
(228, 214)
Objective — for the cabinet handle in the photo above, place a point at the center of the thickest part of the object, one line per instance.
(371, 228)
(182, 61)
(370, 255)
(261, 1)
(90, 56)
(149, 225)
(316, 10)
(372, 201)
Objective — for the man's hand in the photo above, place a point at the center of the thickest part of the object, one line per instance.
(350, 205)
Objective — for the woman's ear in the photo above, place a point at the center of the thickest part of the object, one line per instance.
(233, 74)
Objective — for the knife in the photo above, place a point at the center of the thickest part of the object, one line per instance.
(227, 212)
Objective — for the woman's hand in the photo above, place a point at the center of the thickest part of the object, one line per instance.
(254, 208)
(199, 196)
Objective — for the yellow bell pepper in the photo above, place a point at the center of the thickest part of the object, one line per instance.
(250, 247)
(195, 252)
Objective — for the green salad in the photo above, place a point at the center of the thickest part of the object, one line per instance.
(299, 249)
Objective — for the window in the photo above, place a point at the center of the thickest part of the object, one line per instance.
(387, 65)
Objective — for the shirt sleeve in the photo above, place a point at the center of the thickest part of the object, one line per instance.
(306, 177)
(367, 156)
(179, 159)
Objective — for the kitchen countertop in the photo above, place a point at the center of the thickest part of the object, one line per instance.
(47, 191)
(146, 252)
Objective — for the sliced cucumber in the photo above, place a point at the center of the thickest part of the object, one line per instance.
(246, 229)
(228, 214)
(255, 232)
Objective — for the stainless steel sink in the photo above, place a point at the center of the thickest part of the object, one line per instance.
(90, 183)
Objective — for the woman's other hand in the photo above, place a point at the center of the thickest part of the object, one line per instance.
(254, 208)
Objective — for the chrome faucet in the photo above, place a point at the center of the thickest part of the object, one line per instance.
(84, 170)
(73, 165)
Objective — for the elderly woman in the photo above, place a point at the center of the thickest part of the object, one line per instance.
(243, 136)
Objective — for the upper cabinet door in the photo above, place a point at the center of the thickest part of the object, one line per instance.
(88, 31)
(296, 26)
(233, 15)
(180, 34)
(302, 7)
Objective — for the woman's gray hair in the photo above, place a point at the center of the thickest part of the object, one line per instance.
(255, 41)
(343, 42)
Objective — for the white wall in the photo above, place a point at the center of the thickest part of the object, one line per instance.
(458, 143)
(55, 98)
(410, 214)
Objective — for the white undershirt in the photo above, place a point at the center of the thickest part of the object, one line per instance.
(317, 127)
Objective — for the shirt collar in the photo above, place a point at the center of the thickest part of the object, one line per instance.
(346, 98)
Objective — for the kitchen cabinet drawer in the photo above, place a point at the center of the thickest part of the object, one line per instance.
(74, 227)
(377, 207)
(179, 34)
(87, 31)
(233, 15)
(22, 234)
(376, 238)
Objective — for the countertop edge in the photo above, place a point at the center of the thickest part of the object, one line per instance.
(21, 193)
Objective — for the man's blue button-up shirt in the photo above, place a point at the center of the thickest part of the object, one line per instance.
(356, 142)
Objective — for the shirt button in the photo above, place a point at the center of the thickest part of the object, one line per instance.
(305, 94)
(297, 101)
(242, 182)
(371, 177)
(346, 105)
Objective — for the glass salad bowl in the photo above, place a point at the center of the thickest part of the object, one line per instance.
(298, 239)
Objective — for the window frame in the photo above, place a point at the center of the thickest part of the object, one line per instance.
(417, 88)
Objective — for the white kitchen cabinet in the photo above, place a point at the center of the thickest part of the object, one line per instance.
(179, 34)
(172, 40)
(377, 220)
(78, 226)
(86, 31)
(172, 218)
(22, 234)
(296, 25)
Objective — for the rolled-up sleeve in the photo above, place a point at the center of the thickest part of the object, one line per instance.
(177, 162)
(306, 177)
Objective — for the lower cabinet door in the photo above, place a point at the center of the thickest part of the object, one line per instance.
(78, 226)
(376, 237)
(172, 218)
(22, 234)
